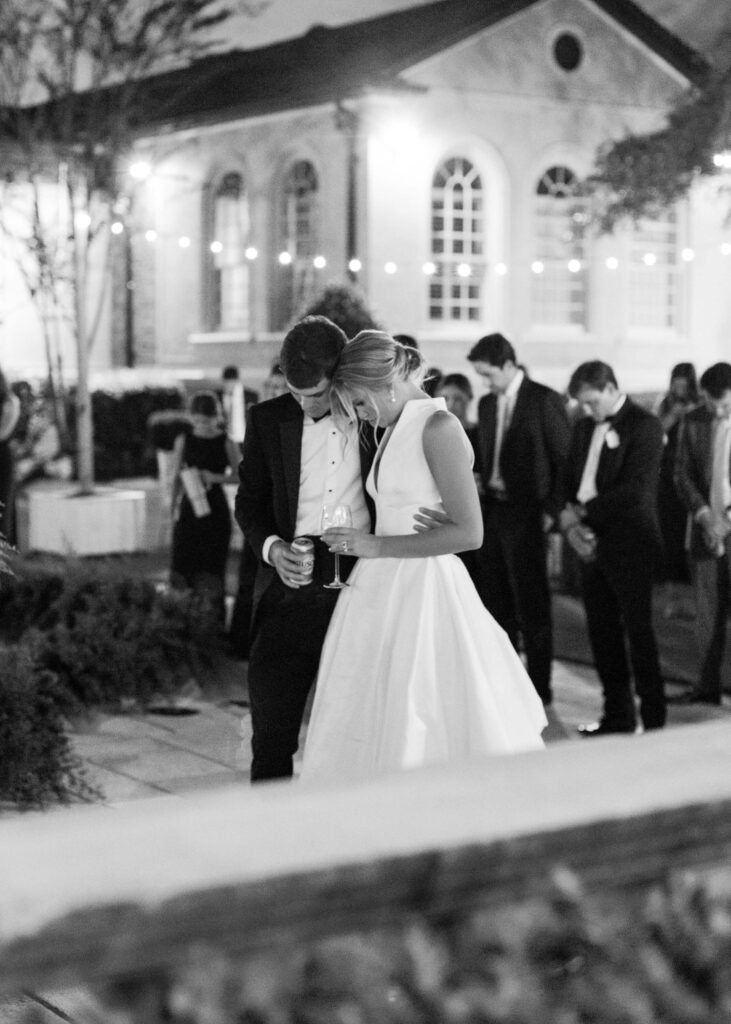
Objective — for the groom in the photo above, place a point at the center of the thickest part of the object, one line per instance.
(295, 459)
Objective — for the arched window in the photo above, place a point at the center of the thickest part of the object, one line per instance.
(457, 242)
(297, 238)
(654, 275)
(559, 261)
(230, 271)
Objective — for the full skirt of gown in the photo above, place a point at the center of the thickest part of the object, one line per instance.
(414, 670)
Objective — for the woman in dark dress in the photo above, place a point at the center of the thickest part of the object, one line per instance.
(681, 396)
(201, 539)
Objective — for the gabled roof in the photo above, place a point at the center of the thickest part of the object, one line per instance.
(333, 64)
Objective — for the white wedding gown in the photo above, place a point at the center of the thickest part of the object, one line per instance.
(414, 670)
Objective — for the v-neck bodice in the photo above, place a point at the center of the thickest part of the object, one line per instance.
(400, 481)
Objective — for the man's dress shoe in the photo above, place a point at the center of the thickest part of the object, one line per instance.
(697, 697)
(603, 728)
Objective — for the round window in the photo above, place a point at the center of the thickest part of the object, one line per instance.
(568, 51)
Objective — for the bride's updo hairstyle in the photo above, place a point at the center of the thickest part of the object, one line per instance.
(371, 364)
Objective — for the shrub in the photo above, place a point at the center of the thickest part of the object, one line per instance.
(38, 764)
(563, 959)
(109, 638)
(344, 305)
(122, 445)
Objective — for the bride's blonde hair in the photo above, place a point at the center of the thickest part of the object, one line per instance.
(371, 363)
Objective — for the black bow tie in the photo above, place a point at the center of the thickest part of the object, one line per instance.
(316, 419)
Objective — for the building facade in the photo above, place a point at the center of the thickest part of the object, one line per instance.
(434, 157)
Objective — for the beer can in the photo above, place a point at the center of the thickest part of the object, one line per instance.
(305, 548)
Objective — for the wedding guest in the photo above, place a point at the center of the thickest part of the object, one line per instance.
(682, 395)
(9, 414)
(202, 523)
(523, 443)
(414, 670)
(611, 522)
(456, 390)
(703, 478)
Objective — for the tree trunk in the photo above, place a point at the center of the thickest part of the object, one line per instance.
(84, 424)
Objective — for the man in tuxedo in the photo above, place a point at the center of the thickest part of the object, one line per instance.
(611, 521)
(522, 443)
(296, 458)
(703, 480)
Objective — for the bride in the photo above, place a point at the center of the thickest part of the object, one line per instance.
(414, 669)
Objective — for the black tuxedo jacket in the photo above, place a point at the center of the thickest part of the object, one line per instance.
(694, 470)
(534, 450)
(269, 472)
(624, 513)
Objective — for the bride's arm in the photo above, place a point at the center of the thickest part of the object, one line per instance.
(449, 462)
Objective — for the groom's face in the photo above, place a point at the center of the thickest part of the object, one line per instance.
(314, 401)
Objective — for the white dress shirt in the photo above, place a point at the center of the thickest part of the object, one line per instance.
(720, 496)
(505, 407)
(330, 474)
(587, 487)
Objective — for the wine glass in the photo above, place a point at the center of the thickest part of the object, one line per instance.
(335, 515)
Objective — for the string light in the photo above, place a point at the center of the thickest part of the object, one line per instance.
(428, 268)
(723, 160)
(140, 170)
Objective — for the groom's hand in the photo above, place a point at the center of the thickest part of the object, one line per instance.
(287, 565)
(430, 519)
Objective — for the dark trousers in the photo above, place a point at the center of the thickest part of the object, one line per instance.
(513, 584)
(711, 579)
(240, 628)
(618, 602)
(287, 636)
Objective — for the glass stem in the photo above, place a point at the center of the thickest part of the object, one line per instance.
(337, 568)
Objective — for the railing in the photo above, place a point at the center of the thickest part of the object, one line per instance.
(93, 894)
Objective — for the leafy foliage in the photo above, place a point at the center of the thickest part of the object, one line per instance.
(562, 959)
(38, 765)
(109, 638)
(642, 175)
(74, 83)
(345, 305)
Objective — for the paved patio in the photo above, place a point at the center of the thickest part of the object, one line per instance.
(204, 743)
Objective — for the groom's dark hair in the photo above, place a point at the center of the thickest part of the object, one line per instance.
(311, 350)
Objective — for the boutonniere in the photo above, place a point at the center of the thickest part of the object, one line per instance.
(612, 438)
